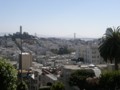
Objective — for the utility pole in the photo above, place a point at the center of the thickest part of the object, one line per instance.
(21, 51)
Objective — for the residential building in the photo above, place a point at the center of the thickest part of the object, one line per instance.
(89, 53)
(26, 61)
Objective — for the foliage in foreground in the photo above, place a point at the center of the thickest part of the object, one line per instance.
(45, 88)
(78, 78)
(8, 76)
(22, 86)
(110, 46)
(55, 86)
(58, 86)
(110, 80)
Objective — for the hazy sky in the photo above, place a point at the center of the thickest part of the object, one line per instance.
(86, 18)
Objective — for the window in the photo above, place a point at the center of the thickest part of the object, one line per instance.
(93, 56)
(93, 52)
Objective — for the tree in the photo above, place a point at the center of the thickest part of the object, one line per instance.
(110, 46)
(8, 76)
(78, 78)
(58, 86)
(63, 50)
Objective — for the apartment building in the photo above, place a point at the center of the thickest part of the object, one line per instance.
(89, 53)
(26, 61)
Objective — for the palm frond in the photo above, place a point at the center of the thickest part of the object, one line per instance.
(110, 46)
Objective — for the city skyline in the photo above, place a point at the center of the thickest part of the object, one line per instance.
(59, 18)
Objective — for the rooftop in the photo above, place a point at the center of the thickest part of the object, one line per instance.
(52, 76)
(73, 67)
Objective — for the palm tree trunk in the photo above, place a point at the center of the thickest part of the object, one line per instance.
(116, 64)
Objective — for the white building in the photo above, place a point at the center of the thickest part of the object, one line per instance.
(89, 53)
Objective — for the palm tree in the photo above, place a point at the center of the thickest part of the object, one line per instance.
(110, 46)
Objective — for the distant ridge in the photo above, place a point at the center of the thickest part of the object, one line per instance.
(54, 36)
(4, 33)
(65, 37)
(88, 39)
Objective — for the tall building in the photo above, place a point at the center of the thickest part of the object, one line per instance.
(93, 55)
(89, 53)
(26, 61)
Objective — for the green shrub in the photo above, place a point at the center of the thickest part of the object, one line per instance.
(45, 88)
(8, 76)
(110, 80)
(22, 86)
(78, 78)
(58, 86)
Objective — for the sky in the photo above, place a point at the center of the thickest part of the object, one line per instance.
(59, 18)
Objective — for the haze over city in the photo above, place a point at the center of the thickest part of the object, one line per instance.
(59, 18)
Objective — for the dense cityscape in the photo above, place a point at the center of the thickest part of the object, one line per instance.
(59, 45)
(41, 62)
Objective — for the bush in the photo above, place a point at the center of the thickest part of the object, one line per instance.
(92, 83)
(58, 86)
(110, 80)
(49, 84)
(45, 88)
(8, 76)
(78, 78)
(22, 86)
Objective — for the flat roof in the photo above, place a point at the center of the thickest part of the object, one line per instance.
(25, 53)
(52, 76)
(73, 67)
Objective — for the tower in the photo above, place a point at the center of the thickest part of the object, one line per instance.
(74, 36)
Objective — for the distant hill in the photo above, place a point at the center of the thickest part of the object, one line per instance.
(53, 36)
(88, 39)
(67, 38)
(4, 33)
